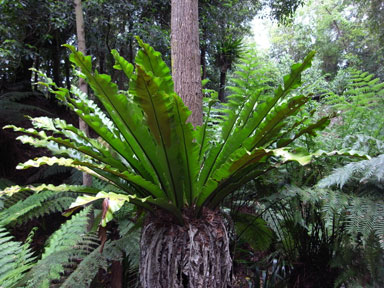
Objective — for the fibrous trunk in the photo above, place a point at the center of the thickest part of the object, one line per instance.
(195, 255)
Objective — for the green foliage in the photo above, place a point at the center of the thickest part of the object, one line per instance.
(35, 206)
(358, 104)
(150, 153)
(64, 250)
(330, 228)
(253, 230)
(68, 234)
(338, 30)
(365, 171)
(12, 108)
(15, 258)
(251, 74)
(72, 255)
(284, 10)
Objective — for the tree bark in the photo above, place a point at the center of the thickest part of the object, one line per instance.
(203, 64)
(67, 73)
(56, 65)
(223, 76)
(87, 179)
(185, 56)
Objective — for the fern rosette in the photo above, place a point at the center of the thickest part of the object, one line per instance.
(156, 160)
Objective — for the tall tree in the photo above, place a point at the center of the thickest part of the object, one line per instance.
(87, 179)
(185, 56)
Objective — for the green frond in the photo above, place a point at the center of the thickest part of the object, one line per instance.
(12, 107)
(364, 217)
(137, 137)
(42, 174)
(90, 264)
(35, 206)
(55, 268)
(122, 64)
(249, 122)
(371, 170)
(69, 233)
(166, 117)
(16, 189)
(104, 172)
(16, 259)
(146, 150)
(113, 203)
(358, 104)
(248, 226)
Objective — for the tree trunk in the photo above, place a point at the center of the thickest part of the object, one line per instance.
(185, 56)
(223, 76)
(37, 67)
(56, 67)
(195, 255)
(203, 64)
(67, 73)
(87, 179)
(116, 275)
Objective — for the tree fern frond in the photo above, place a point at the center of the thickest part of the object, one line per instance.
(46, 172)
(15, 258)
(364, 171)
(53, 269)
(85, 271)
(359, 104)
(364, 217)
(12, 108)
(63, 251)
(365, 143)
(69, 233)
(34, 206)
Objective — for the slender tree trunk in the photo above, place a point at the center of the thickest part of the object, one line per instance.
(37, 67)
(23, 77)
(185, 56)
(87, 179)
(56, 66)
(67, 73)
(223, 76)
(203, 63)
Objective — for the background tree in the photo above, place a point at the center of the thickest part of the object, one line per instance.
(186, 56)
(337, 30)
(80, 31)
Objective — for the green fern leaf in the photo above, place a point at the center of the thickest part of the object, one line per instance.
(15, 259)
